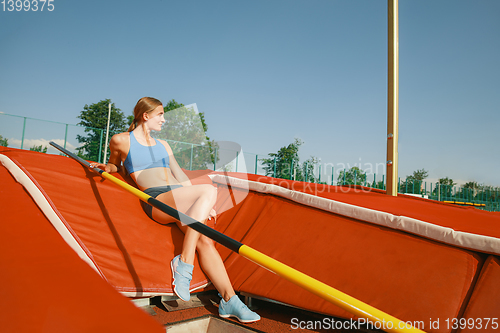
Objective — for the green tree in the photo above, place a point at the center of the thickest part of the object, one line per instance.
(488, 193)
(185, 129)
(95, 117)
(285, 163)
(185, 123)
(445, 188)
(413, 183)
(130, 120)
(471, 185)
(40, 149)
(3, 141)
(172, 105)
(353, 176)
(307, 172)
(380, 184)
(472, 191)
(468, 191)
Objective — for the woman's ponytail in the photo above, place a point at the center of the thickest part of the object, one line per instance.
(132, 126)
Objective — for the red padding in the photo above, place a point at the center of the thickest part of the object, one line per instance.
(484, 304)
(45, 286)
(409, 277)
(132, 251)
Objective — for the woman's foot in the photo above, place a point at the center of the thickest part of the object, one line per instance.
(182, 274)
(236, 308)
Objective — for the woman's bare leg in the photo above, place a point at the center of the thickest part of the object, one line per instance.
(213, 266)
(196, 201)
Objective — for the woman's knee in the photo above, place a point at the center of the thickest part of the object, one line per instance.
(210, 192)
(205, 243)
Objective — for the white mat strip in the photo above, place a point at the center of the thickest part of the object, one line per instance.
(47, 209)
(429, 230)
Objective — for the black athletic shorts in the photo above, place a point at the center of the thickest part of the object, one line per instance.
(154, 192)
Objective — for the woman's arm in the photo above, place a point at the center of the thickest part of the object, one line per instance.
(175, 168)
(115, 161)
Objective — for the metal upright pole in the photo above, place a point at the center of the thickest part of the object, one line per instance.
(100, 147)
(392, 98)
(107, 133)
(191, 158)
(66, 136)
(236, 162)
(306, 173)
(215, 159)
(24, 130)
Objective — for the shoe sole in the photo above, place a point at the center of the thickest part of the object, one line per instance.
(173, 281)
(242, 321)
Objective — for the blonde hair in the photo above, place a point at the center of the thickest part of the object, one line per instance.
(144, 105)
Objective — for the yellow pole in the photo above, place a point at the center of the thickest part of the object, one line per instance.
(392, 98)
(367, 313)
(371, 315)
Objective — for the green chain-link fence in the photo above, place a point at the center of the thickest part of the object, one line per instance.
(29, 133)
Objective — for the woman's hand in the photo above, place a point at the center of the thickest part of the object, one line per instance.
(100, 166)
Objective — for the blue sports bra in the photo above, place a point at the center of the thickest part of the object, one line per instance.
(145, 157)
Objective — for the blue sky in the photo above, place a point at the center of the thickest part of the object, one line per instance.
(265, 72)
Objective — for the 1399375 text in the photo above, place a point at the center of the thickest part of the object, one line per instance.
(27, 5)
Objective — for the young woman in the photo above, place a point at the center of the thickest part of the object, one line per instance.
(152, 165)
